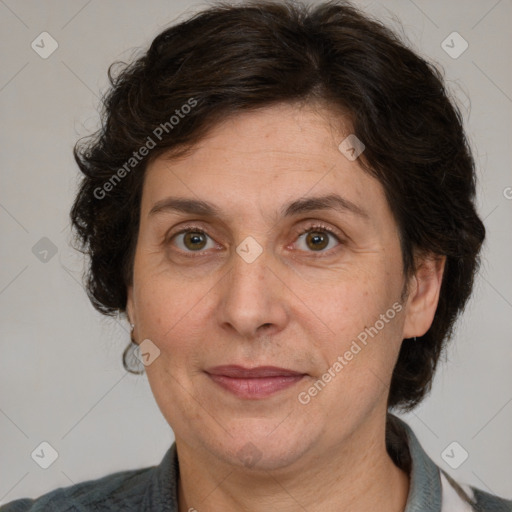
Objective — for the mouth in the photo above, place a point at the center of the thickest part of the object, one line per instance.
(254, 383)
(259, 372)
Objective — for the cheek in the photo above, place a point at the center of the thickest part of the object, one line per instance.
(355, 301)
(168, 316)
(365, 319)
(159, 312)
(176, 314)
(359, 360)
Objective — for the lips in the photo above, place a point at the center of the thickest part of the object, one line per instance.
(253, 383)
(239, 372)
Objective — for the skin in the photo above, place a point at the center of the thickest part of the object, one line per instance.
(295, 306)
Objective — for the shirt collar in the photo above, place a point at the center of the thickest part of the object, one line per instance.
(424, 489)
(162, 491)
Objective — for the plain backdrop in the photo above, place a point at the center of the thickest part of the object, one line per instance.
(61, 377)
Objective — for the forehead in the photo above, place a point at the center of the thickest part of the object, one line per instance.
(285, 134)
(264, 159)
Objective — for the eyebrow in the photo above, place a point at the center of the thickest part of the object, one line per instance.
(294, 208)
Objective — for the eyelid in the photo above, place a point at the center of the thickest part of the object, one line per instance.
(320, 226)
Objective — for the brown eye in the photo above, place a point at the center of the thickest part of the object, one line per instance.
(317, 240)
(191, 240)
(194, 240)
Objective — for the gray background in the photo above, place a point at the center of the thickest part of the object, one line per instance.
(61, 378)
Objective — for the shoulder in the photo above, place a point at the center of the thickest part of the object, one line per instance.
(118, 491)
(484, 502)
(431, 486)
(465, 498)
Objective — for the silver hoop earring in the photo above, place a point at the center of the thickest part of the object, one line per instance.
(131, 362)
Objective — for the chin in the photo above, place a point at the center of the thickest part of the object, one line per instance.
(260, 452)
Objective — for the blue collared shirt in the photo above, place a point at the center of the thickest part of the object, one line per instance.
(155, 488)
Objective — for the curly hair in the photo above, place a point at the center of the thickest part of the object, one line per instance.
(230, 58)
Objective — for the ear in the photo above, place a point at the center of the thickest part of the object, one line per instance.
(130, 307)
(423, 297)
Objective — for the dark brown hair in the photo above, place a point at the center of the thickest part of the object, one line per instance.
(233, 58)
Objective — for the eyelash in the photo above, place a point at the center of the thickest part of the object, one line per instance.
(313, 227)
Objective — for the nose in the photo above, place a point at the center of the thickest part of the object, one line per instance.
(253, 299)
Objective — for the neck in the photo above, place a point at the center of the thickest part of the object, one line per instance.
(357, 475)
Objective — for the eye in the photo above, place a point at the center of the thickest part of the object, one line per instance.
(191, 239)
(317, 238)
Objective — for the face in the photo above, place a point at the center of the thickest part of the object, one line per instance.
(267, 276)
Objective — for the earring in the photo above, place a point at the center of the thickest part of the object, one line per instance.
(131, 334)
(130, 362)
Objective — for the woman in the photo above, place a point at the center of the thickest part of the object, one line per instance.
(271, 203)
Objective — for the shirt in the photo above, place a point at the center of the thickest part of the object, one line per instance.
(431, 489)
